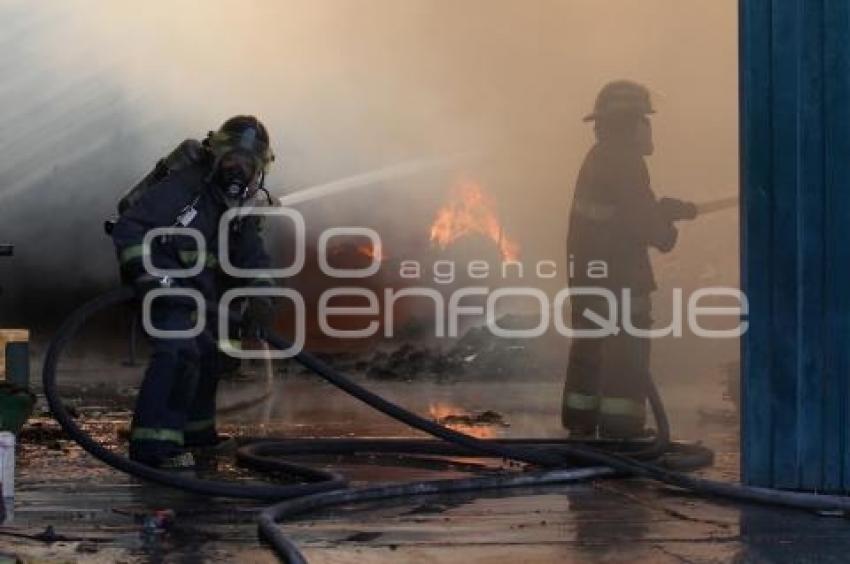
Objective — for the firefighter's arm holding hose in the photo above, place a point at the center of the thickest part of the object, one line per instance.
(641, 214)
(677, 210)
(667, 211)
(654, 219)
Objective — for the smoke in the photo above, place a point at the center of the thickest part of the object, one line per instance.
(96, 91)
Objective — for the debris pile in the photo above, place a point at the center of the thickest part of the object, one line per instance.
(483, 418)
(478, 353)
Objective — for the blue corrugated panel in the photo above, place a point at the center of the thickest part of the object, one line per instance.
(795, 174)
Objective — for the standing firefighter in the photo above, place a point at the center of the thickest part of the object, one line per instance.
(192, 188)
(615, 219)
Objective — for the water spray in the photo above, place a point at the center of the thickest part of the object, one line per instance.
(369, 178)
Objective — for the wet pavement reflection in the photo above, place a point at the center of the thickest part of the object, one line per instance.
(105, 516)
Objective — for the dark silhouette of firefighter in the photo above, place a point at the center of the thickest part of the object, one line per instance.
(192, 188)
(614, 220)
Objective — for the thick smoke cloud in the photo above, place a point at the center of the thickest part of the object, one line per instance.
(95, 91)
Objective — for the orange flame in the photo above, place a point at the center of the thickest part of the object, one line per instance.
(439, 412)
(471, 210)
(372, 251)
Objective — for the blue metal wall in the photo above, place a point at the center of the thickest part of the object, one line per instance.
(795, 133)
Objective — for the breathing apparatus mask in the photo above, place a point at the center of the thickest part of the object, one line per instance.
(237, 177)
(241, 157)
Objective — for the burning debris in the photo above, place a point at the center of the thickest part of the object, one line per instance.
(372, 251)
(352, 253)
(452, 416)
(480, 425)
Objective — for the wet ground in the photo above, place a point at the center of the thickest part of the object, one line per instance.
(99, 515)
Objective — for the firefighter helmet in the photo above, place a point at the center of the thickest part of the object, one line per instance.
(242, 133)
(621, 98)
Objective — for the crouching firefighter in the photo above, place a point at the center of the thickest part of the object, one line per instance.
(615, 219)
(192, 188)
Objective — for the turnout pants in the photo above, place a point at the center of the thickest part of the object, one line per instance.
(607, 377)
(176, 402)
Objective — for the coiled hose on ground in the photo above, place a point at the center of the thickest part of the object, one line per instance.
(560, 460)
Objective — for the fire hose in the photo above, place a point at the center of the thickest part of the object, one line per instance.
(559, 461)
